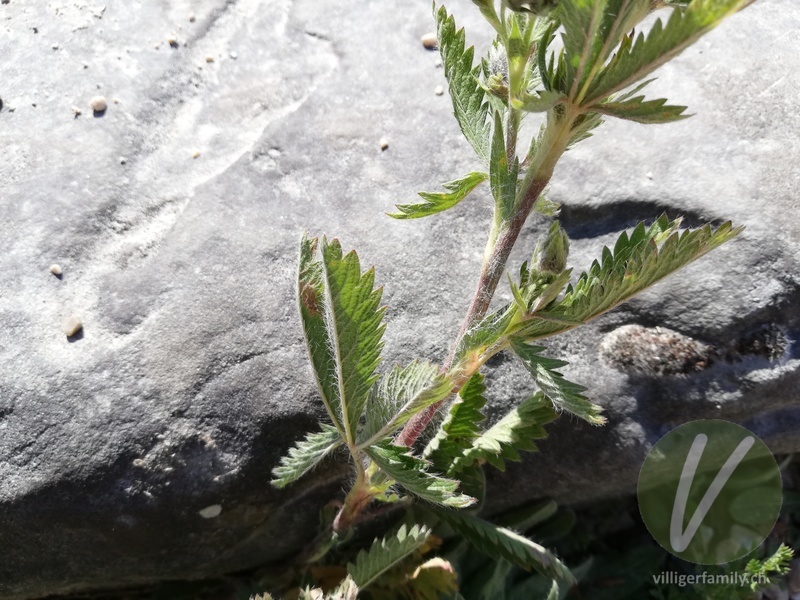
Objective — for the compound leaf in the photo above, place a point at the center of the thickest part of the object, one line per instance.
(638, 260)
(305, 455)
(635, 60)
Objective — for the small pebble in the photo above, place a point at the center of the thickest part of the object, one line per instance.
(438, 62)
(439, 90)
(209, 512)
(172, 41)
(209, 59)
(138, 462)
(196, 154)
(384, 143)
(72, 326)
(115, 100)
(430, 41)
(56, 270)
(234, 56)
(76, 111)
(122, 160)
(192, 18)
(98, 104)
(55, 46)
(85, 65)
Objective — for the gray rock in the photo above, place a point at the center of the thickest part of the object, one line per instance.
(190, 378)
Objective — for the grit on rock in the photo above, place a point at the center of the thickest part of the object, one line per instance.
(140, 447)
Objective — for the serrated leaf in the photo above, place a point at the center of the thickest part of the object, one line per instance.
(353, 318)
(436, 202)
(485, 333)
(643, 111)
(400, 395)
(637, 262)
(386, 553)
(313, 310)
(460, 427)
(513, 433)
(565, 395)
(469, 105)
(499, 542)
(592, 29)
(411, 472)
(636, 60)
(305, 455)
(502, 176)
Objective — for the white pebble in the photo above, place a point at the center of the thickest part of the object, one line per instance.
(192, 18)
(384, 143)
(196, 154)
(439, 90)
(430, 41)
(234, 55)
(98, 104)
(56, 270)
(209, 512)
(71, 326)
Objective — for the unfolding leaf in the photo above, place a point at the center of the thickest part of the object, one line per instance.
(469, 103)
(386, 553)
(514, 432)
(643, 111)
(411, 472)
(564, 394)
(401, 394)
(499, 542)
(306, 455)
(436, 202)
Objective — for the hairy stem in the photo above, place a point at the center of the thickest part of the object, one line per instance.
(554, 143)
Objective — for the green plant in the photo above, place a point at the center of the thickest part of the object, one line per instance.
(598, 71)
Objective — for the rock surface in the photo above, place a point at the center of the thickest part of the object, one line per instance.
(140, 448)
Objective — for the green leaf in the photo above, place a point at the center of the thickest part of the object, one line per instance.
(643, 111)
(592, 29)
(499, 542)
(469, 106)
(502, 177)
(564, 394)
(514, 432)
(436, 202)
(401, 394)
(385, 554)
(636, 60)
(313, 311)
(353, 319)
(459, 428)
(637, 262)
(485, 333)
(412, 473)
(306, 455)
